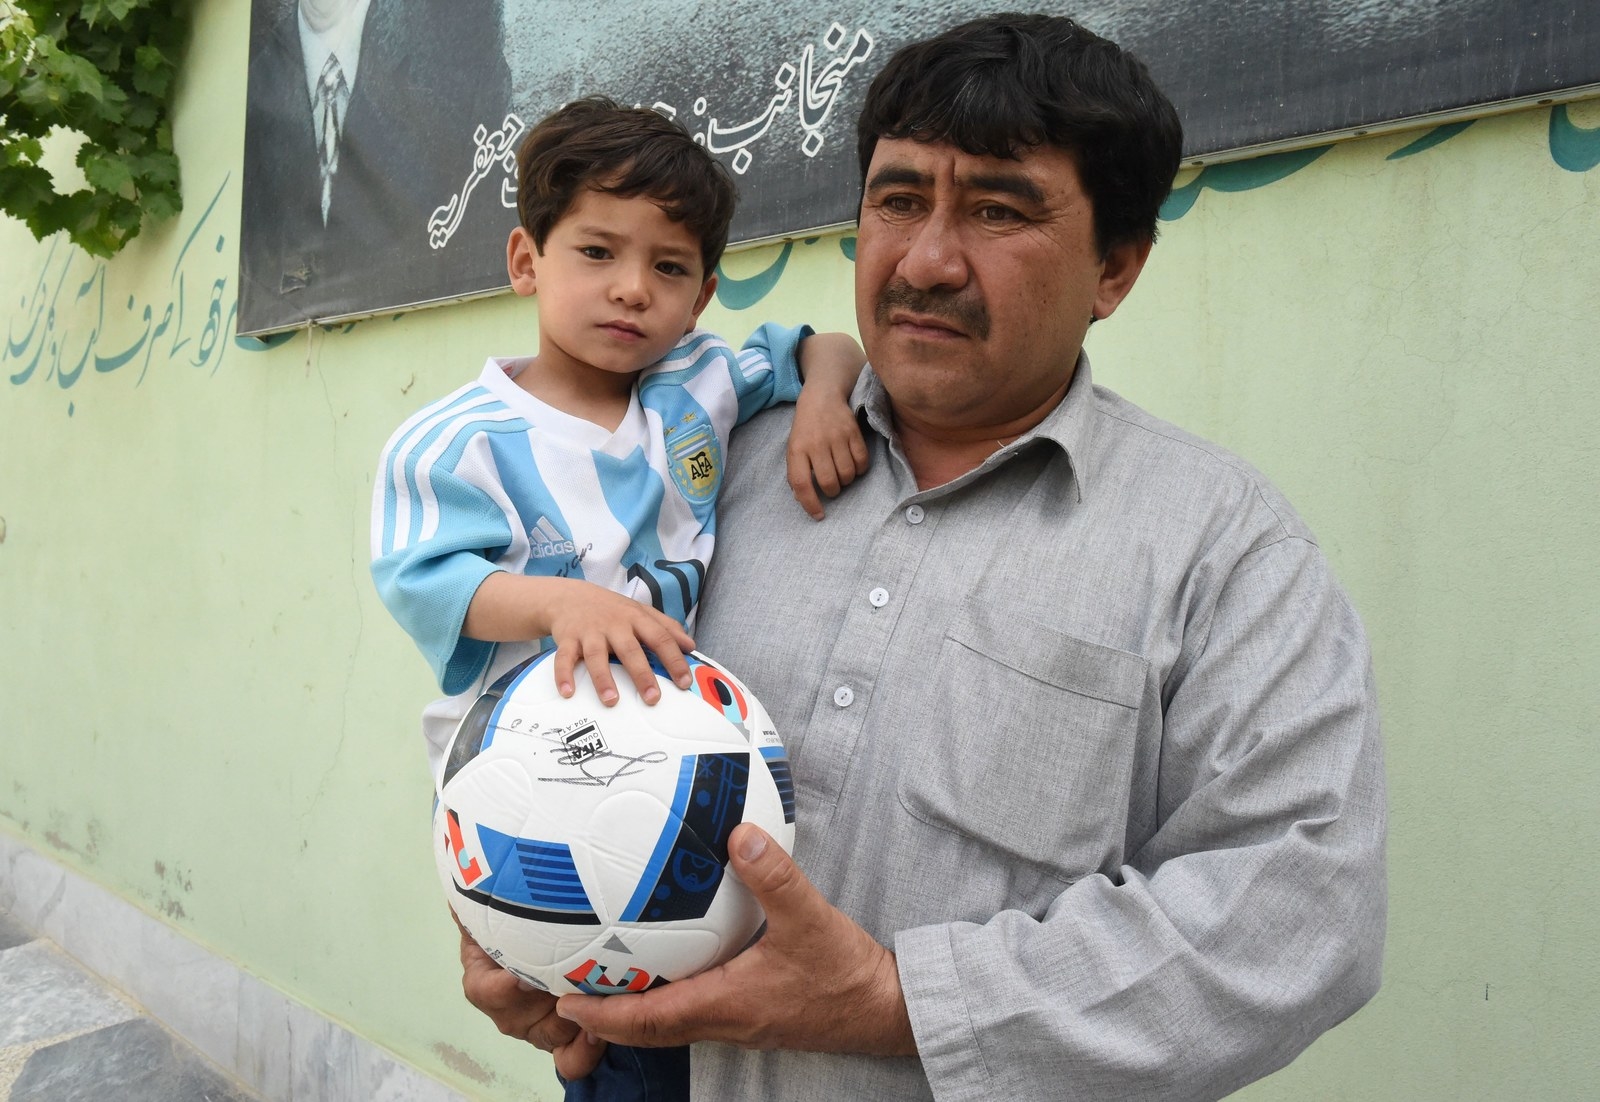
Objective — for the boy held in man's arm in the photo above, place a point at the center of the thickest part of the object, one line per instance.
(571, 496)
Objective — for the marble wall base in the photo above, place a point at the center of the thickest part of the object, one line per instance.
(272, 1044)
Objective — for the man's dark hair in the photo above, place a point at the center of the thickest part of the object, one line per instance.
(1003, 84)
(627, 151)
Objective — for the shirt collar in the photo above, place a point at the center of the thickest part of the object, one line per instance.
(1070, 426)
(342, 40)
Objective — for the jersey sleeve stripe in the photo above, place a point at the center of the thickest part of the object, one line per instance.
(392, 510)
(384, 488)
(443, 452)
(410, 464)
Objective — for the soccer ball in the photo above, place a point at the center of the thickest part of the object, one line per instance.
(585, 848)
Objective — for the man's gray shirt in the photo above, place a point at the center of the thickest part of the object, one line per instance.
(1087, 736)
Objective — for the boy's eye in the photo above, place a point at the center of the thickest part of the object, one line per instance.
(671, 267)
(595, 252)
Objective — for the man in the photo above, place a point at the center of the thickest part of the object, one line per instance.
(1082, 729)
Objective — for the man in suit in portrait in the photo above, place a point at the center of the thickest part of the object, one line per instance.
(359, 126)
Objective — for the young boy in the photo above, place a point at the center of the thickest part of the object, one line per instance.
(572, 496)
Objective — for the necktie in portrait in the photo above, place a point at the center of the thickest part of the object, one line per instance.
(333, 95)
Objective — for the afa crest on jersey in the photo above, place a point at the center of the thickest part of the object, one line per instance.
(694, 456)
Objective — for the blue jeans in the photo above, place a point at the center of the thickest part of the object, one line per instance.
(635, 1075)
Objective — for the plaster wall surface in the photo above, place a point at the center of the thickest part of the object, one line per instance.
(205, 710)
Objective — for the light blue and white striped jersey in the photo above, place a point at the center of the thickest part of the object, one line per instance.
(490, 478)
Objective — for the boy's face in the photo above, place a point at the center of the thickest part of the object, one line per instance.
(618, 284)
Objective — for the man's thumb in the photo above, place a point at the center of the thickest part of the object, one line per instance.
(763, 867)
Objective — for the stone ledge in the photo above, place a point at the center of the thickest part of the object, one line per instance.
(271, 1043)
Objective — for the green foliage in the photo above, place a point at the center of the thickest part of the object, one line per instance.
(103, 69)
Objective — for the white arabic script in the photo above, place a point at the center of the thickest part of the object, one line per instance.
(492, 148)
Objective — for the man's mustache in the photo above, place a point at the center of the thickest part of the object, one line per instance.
(965, 311)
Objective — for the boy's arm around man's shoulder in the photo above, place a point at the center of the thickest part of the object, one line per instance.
(816, 371)
(827, 450)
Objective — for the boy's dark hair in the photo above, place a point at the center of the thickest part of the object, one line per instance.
(627, 151)
(1005, 83)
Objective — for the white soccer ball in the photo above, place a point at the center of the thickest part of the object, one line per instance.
(585, 848)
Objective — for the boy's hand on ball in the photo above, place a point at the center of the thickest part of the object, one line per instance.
(590, 624)
(525, 1012)
(815, 982)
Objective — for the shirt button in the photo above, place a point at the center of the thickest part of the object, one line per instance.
(879, 597)
(843, 697)
(914, 514)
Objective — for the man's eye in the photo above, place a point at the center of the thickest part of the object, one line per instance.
(994, 212)
(898, 204)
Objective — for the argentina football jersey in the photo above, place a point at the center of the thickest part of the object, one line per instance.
(491, 478)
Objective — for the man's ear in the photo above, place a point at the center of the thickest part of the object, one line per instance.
(1118, 271)
(703, 301)
(521, 261)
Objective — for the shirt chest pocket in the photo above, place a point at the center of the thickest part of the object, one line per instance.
(1032, 745)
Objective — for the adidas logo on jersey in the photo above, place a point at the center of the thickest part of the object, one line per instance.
(546, 539)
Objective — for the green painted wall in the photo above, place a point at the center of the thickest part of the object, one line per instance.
(204, 708)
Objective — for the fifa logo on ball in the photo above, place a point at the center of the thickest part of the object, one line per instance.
(583, 742)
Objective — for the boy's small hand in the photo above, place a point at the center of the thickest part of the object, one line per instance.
(826, 449)
(591, 624)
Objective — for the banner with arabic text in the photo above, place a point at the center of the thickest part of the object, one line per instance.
(387, 179)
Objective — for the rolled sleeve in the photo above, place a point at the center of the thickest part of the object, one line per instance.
(947, 1039)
